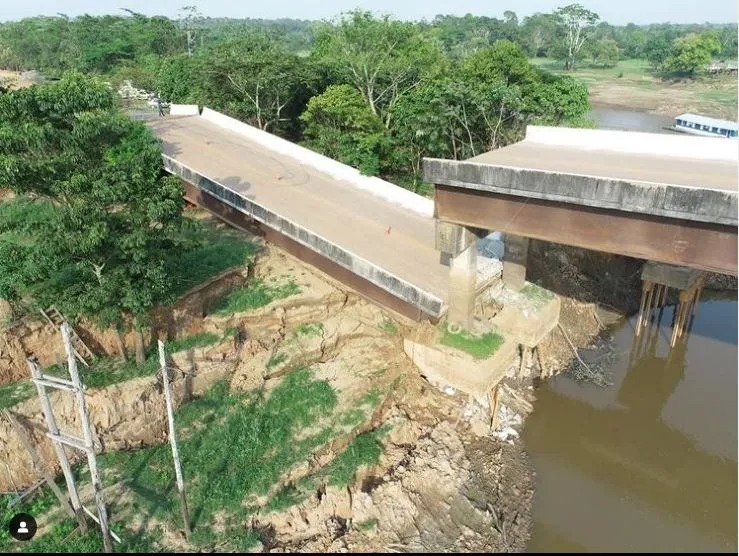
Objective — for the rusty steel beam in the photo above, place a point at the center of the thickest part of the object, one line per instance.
(710, 247)
(360, 285)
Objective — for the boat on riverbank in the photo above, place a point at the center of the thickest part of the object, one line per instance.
(706, 126)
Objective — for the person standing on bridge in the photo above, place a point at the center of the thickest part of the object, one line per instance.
(159, 106)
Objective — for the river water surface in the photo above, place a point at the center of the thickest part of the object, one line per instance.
(650, 463)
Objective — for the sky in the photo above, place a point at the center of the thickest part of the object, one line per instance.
(617, 12)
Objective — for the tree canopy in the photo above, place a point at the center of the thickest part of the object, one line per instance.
(371, 91)
(103, 251)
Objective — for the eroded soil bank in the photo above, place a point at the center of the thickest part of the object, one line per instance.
(440, 482)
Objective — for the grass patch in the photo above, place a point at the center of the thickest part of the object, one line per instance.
(313, 329)
(242, 445)
(16, 392)
(480, 347)
(212, 248)
(537, 296)
(287, 496)
(365, 449)
(389, 326)
(276, 359)
(368, 525)
(201, 339)
(106, 371)
(256, 294)
(60, 538)
(365, 405)
(725, 97)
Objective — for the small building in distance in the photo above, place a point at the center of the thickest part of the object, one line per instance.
(706, 126)
(731, 67)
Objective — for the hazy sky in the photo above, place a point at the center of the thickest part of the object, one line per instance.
(613, 11)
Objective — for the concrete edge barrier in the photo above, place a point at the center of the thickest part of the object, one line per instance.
(376, 186)
(636, 142)
(363, 268)
(184, 110)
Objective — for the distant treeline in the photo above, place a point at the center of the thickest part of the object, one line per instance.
(371, 91)
(100, 44)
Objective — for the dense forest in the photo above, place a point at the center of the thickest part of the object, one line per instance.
(371, 91)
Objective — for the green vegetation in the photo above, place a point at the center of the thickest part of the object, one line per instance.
(42, 501)
(254, 295)
(201, 339)
(249, 450)
(16, 392)
(105, 371)
(309, 329)
(537, 295)
(365, 449)
(60, 537)
(208, 249)
(480, 347)
(365, 406)
(276, 359)
(371, 523)
(389, 326)
(212, 248)
(104, 249)
(287, 496)
(635, 84)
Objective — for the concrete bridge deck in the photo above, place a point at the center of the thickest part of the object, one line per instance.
(666, 198)
(390, 246)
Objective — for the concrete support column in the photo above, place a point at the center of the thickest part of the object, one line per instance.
(462, 286)
(514, 261)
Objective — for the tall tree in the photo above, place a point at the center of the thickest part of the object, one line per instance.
(538, 32)
(577, 26)
(605, 53)
(339, 124)
(104, 251)
(188, 18)
(692, 53)
(254, 78)
(384, 59)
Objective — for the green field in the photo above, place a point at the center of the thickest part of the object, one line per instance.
(632, 84)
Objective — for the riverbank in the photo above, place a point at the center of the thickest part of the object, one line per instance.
(303, 427)
(632, 85)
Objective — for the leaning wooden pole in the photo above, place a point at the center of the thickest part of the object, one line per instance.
(38, 463)
(61, 454)
(173, 440)
(97, 484)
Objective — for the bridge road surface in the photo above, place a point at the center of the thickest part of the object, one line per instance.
(334, 209)
(647, 168)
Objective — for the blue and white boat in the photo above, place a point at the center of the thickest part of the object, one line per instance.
(705, 126)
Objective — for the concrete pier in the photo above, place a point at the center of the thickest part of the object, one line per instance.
(514, 261)
(463, 287)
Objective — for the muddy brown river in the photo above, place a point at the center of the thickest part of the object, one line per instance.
(649, 463)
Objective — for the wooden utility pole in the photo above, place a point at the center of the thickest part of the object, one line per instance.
(89, 447)
(57, 439)
(173, 440)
